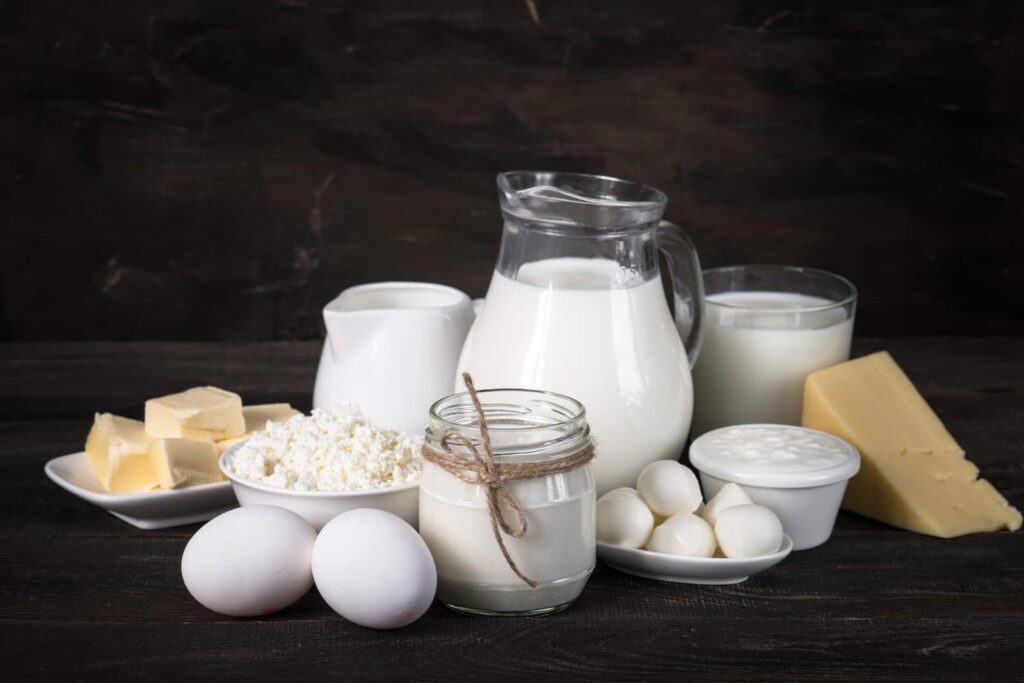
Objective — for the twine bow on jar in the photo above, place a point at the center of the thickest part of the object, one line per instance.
(481, 469)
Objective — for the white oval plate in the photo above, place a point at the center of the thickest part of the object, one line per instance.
(697, 570)
(145, 510)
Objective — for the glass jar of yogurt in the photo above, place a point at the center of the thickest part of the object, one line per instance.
(557, 550)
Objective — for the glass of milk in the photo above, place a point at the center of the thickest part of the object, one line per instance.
(765, 329)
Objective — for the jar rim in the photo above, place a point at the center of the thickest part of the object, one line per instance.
(561, 427)
(481, 393)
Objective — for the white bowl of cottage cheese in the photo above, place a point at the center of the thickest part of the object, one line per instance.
(327, 463)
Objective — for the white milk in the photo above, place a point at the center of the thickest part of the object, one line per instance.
(754, 359)
(557, 550)
(593, 331)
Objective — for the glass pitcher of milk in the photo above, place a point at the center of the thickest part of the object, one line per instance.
(577, 306)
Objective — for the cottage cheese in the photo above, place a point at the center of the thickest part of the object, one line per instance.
(335, 449)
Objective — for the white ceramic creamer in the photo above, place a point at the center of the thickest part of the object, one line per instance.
(392, 348)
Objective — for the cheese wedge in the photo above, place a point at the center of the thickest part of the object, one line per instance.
(184, 462)
(202, 413)
(913, 474)
(256, 419)
(116, 450)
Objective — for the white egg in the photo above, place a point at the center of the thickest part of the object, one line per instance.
(669, 488)
(374, 569)
(748, 530)
(249, 561)
(686, 534)
(623, 518)
(728, 496)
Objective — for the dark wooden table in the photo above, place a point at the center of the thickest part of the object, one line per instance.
(83, 595)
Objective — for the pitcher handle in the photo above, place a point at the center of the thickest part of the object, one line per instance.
(687, 285)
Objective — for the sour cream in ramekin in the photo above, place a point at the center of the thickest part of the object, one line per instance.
(799, 473)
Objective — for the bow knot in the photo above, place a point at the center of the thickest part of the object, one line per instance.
(481, 469)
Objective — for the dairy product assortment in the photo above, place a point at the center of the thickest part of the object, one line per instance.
(787, 430)
(668, 489)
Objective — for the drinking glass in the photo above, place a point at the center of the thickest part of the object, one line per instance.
(766, 327)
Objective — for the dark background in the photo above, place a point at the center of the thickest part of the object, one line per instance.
(220, 169)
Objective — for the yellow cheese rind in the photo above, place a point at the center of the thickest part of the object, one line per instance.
(184, 462)
(913, 474)
(202, 413)
(116, 450)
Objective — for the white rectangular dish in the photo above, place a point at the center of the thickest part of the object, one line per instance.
(146, 510)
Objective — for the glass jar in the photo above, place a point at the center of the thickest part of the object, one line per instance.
(557, 550)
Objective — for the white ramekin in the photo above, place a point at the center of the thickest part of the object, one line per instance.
(806, 502)
(320, 507)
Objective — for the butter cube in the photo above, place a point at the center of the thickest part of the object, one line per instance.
(184, 462)
(256, 419)
(202, 413)
(224, 444)
(116, 450)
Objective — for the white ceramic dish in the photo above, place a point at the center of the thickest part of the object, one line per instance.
(696, 570)
(806, 502)
(146, 510)
(320, 507)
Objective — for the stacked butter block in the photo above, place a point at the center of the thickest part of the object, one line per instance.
(116, 448)
(179, 443)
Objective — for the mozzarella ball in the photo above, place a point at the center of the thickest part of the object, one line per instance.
(669, 488)
(374, 569)
(687, 535)
(728, 496)
(249, 561)
(748, 531)
(623, 518)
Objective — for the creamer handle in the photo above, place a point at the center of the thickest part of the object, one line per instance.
(687, 285)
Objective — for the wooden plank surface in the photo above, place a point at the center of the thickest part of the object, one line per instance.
(219, 169)
(83, 595)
